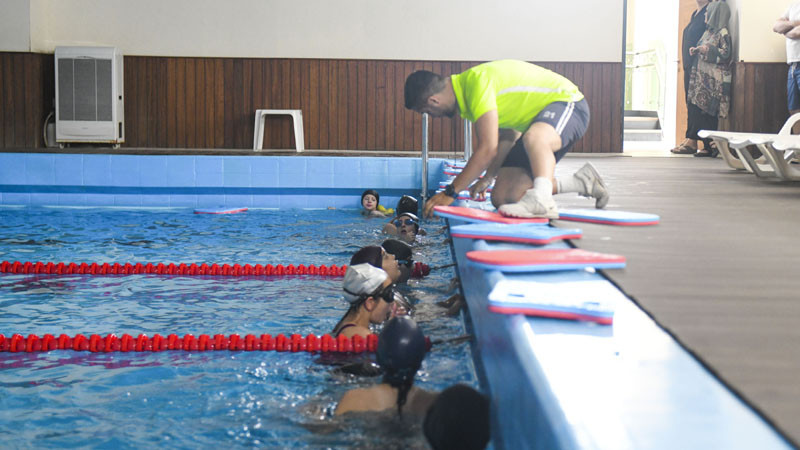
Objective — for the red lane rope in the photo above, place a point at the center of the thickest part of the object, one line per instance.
(142, 343)
(235, 270)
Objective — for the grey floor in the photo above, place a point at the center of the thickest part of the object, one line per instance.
(721, 272)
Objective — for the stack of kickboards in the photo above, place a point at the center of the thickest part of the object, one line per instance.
(540, 275)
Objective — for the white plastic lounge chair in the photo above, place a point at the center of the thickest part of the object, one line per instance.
(778, 150)
(730, 142)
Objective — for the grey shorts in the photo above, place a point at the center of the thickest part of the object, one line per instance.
(570, 121)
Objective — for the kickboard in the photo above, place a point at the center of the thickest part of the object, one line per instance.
(544, 260)
(523, 233)
(456, 165)
(606, 217)
(219, 210)
(591, 301)
(464, 192)
(473, 215)
(464, 195)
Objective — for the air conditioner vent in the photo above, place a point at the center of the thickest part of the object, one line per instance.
(89, 86)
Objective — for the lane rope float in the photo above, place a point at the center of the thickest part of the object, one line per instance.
(233, 270)
(293, 343)
(63, 268)
(95, 343)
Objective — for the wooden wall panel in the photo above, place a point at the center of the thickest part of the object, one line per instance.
(27, 93)
(758, 102)
(347, 104)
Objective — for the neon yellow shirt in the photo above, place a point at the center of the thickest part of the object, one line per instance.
(516, 89)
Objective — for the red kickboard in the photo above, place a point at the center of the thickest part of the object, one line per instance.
(481, 216)
(219, 210)
(552, 314)
(544, 257)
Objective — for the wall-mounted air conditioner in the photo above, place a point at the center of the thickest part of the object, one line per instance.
(89, 104)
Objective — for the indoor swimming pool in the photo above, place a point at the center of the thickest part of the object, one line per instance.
(197, 399)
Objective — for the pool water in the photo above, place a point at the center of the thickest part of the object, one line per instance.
(204, 399)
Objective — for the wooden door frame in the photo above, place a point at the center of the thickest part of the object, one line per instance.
(685, 10)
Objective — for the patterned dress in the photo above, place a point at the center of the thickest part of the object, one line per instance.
(710, 82)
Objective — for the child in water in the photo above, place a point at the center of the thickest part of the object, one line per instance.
(371, 202)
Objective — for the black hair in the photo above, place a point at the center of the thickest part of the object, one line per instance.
(353, 308)
(371, 254)
(400, 250)
(419, 86)
(372, 192)
(357, 304)
(407, 204)
(401, 349)
(458, 419)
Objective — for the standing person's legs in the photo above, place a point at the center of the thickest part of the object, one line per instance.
(706, 122)
(694, 123)
(793, 93)
(689, 143)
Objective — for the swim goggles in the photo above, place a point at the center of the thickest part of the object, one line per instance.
(387, 293)
(405, 262)
(404, 221)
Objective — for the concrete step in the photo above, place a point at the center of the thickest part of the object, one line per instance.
(642, 123)
(642, 135)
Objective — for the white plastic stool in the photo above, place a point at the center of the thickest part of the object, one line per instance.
(297, 119)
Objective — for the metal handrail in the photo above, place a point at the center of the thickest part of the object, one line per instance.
(424, 193)
(467, 139)
(649, 50)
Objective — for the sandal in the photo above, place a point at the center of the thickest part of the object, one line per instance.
(683, 149)
(710, 151)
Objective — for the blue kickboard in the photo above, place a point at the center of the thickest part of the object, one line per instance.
(576, 300)
(607, 217)
(523, 233)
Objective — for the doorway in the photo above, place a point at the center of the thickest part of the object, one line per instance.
(651, 76)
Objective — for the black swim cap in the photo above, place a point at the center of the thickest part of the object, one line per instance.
(371, 192)
(371, 254)
(407, 204)
(400, 250)
(401, 349)
(458, 419)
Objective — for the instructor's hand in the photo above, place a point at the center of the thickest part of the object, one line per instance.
(437, 200)
(478, 190)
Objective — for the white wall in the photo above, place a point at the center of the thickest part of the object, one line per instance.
(733, 26)
(15, 20)
(757, 42)
(566, 30)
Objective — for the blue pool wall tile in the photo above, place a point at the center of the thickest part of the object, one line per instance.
(69, 170)
(97, 170)
(12, 170)
(153, 170)
(180, 171)
(284, 182)
(125, 170)
(41, 199)
(40, 169)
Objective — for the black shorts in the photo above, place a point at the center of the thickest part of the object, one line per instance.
(570, 121)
